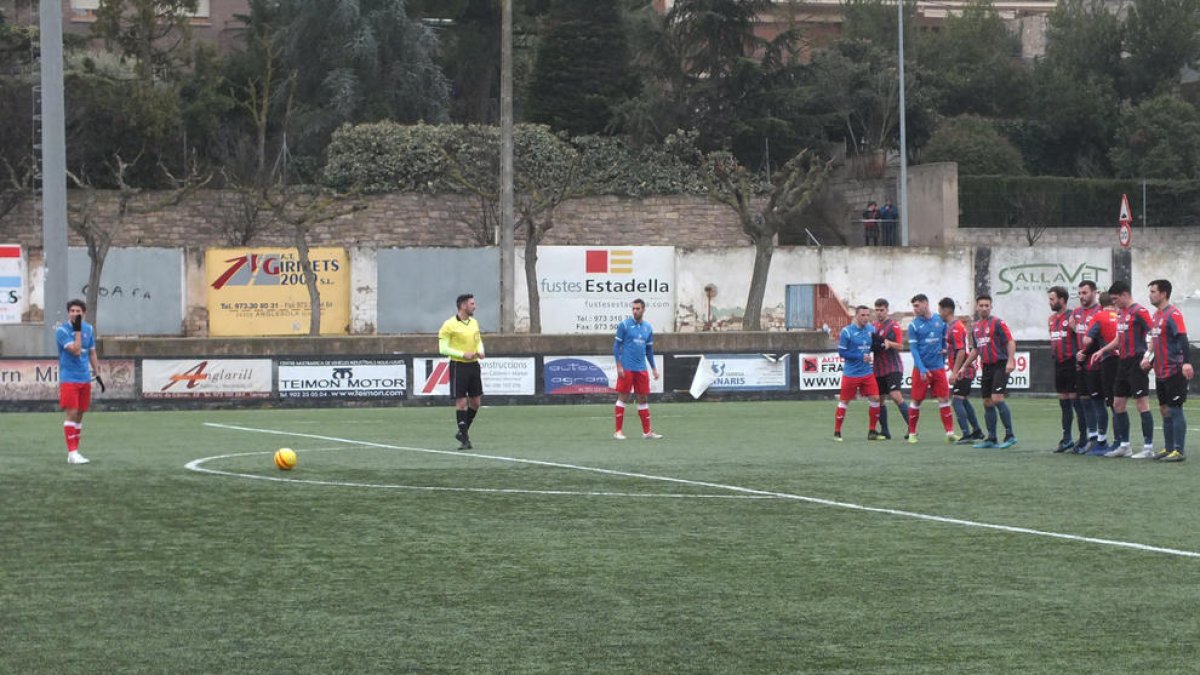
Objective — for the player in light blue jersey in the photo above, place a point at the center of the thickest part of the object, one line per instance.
(77, 363)
(855, 344)
(633, 348)
(927, 344)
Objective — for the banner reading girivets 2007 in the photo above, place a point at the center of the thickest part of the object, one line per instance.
(261, 291)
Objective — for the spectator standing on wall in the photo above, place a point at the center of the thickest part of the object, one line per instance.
(870, 220)
(888, 216)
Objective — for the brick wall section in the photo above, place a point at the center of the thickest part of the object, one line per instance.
(1068, 237)
(418, 220)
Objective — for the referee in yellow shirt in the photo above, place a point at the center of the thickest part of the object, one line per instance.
(459, 339)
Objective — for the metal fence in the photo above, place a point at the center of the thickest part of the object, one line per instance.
(1013, 202)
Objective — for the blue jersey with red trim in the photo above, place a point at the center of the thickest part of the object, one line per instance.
(71, 368)
(991, 339)
(1062, 338)
(634, 345)
(1169, 335)
(927, 343)
(887, 361)
(854, 343)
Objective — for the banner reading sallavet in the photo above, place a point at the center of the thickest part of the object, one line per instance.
(263, 292)
(823, 370)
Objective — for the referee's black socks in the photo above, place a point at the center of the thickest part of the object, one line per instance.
(471, 416)
(464, 420)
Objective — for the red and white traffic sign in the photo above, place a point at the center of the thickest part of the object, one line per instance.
(1125, 227)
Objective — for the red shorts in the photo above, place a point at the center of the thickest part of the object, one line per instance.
(74, 395)
(865, 385)
(637, 381)
(935, 381)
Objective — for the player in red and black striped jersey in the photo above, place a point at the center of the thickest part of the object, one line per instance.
(1063, 346)
(1172, 368)
(993, 344)
(960, 385)
(1133, 327)
(1089, 396)
(889, 369)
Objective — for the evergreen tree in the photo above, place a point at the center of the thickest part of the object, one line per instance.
(582, 70)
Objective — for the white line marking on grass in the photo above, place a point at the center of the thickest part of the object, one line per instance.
(740, 490)
(196, 465)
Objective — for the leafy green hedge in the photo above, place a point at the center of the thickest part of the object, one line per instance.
(1049, 201)
(390, 157)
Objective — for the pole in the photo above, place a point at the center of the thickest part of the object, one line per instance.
(1144, 223)
(902, 190)
(54, 171)
(508, 310)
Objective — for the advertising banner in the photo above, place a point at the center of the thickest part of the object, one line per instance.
(1022, 277)
(501, 376)
(37, 380)
(747, 372)
(206, 378)
(823, 371)
(13, 299)
(587, 375)
(262, 291)
(589, 289)
(343, 379)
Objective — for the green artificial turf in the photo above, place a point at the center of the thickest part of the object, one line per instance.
(700, 552)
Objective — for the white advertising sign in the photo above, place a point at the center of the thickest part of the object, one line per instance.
(587, 375)
(823, 370)
(589, 289)
(206, 378)
(747, 372)
(12, 284)
(1021, 278)
(343, 379)
(501, 376)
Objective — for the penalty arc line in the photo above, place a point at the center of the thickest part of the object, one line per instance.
(742, 490)
(197, 466)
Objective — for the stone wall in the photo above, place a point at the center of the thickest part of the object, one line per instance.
(413, 220)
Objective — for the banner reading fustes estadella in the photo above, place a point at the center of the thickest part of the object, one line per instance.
(262, 291)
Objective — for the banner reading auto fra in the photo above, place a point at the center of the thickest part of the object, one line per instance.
(262, 291)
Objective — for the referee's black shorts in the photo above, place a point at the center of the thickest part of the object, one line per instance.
(465, 379)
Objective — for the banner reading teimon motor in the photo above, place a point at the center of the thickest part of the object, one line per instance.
(261, 291)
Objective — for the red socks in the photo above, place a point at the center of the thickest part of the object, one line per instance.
(644, 413)
(72, 431)
(619, 414)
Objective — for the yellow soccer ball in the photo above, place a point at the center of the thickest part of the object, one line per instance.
(285, 459)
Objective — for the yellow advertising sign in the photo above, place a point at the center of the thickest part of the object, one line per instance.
(262, 292)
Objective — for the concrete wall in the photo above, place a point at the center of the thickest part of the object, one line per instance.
(857, 276)
(141, 290)
(932, 204)
(417, 287)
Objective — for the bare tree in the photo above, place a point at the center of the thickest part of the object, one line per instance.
(1032, 211)
(792, 189)
(300, 208)
(99, 229)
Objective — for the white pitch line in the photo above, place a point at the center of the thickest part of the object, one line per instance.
(741, 490)
(195, 465)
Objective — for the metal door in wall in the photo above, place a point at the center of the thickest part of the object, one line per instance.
(799, 307)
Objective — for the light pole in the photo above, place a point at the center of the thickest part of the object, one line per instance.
(902, 190)
(508, 309)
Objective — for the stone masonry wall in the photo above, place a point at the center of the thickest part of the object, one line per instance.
(415, 220)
